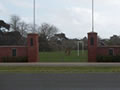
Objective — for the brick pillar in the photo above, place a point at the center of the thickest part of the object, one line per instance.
(92, 46)
(33, 47)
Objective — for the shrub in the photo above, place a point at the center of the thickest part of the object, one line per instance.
(108, 58)
(14, 59)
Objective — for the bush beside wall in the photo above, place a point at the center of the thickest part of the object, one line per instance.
(14, 59)
(108, 58)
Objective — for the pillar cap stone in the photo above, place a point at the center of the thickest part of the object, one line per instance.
(32, 34)
(92, 32)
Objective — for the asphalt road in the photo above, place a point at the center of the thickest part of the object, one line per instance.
(42, 81)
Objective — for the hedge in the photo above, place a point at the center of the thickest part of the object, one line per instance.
(14, 59)
(108, 58)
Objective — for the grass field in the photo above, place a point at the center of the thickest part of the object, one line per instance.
(60, 56)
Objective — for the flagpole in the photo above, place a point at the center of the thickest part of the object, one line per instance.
(92, 15)
(34, 15)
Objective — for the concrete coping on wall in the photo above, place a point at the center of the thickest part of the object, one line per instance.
(109, 46)
(13, 46)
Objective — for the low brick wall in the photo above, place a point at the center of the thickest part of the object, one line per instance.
(30, 50)
(104, 51)
(6, 51)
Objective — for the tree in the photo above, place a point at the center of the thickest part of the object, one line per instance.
(14, 22)
(18, 25)
(23, 28)
(43, 44)
(114, 40)
(31, 28)
(48, 30)
(4, 25)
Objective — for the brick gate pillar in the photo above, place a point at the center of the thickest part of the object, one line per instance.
(33, 47)
(92, 46)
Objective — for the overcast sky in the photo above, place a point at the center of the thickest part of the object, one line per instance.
(72, 17)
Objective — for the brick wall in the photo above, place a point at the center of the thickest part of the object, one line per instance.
(30, 51)
(94, 50)
(7, 51)
(104, 51)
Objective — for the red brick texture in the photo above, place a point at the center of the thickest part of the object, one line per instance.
(104, 51)
(33, 50)
(92, 49)
(7, 51)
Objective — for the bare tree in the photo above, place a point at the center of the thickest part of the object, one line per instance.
(14, 22)
(18, 25)
(48, 30)
(23, 28)
(31, 28)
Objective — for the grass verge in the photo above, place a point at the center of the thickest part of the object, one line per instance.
(28, 69)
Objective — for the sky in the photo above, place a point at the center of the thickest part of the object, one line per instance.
(72, 17)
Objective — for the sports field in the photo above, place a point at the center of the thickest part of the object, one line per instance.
(60, 56)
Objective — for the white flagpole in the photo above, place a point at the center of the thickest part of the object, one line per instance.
(92, 15)
(34, 15)
(78, 48)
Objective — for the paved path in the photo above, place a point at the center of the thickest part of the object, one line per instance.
(91, 81)
(61, 64)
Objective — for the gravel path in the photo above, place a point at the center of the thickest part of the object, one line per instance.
(61, 64)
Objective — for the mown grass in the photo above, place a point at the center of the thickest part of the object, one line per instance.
(60, 56)
(28, 69)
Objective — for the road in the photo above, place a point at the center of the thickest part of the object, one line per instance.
(44, 81)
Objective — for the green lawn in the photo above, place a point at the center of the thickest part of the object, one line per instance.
(61, 57)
